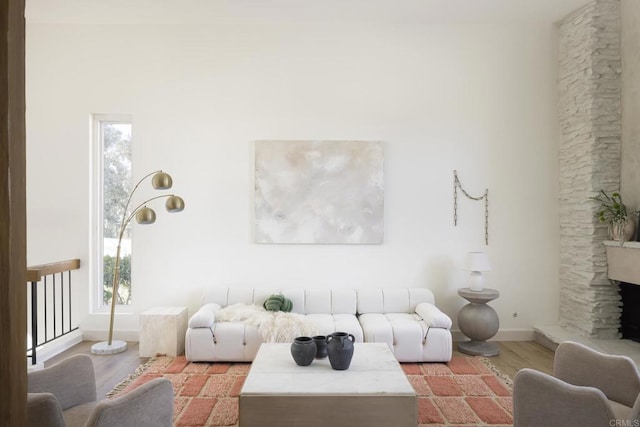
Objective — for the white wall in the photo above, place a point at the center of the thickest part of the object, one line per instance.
(478, 98)
(630, 47)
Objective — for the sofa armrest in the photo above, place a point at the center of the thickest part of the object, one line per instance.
(432, 316)
(72, 381)
(542, 400)
(205, 317)
(43, 409)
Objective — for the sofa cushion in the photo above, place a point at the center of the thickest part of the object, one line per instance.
(403, 332)
(238, 295)
(344, 301)
(296, 295)
(305, 301)
(392, 300)
(227, 296)
(410, 339)
(330, 323)
(318, 301)
(235, 341)
(330, 301)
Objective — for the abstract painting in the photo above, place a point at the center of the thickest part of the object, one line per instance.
(319, 192)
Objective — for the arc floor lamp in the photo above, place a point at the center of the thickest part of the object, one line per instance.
(144, 215)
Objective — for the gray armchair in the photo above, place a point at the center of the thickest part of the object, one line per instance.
(587, 389)
(65, 395)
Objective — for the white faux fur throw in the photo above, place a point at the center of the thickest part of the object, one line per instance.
(274, 326)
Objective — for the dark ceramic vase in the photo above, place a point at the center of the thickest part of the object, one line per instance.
(340, 350)
(303, 350)
(321, 346)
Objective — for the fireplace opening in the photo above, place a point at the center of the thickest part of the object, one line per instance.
(630, 318)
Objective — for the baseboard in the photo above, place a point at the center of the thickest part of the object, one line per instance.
(104, 335)
(55, 347)
(502, 335)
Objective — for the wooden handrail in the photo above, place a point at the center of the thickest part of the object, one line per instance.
(35, 273)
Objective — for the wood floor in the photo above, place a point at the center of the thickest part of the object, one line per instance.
(111, 369)
(515, 355)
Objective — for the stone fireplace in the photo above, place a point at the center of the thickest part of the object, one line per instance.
(630, 318)
(623, 261)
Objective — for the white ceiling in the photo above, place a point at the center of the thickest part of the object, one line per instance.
(206, 11)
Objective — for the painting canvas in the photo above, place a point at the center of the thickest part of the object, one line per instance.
(319, 192)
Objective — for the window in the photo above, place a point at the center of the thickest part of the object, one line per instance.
(112, 186)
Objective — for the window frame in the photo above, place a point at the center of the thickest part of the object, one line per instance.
(97, 212)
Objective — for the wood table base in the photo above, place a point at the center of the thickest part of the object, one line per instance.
(333, 411)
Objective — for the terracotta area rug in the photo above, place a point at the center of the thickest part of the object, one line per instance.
(465, 391)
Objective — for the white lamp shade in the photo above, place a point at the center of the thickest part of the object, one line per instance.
(477, 261)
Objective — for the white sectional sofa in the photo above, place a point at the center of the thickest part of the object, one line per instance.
(404, 318)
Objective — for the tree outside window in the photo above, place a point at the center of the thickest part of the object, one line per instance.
(116, 179)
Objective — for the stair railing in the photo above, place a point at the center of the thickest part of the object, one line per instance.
(49, 303)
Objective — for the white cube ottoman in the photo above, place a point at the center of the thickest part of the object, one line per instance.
(162, 331)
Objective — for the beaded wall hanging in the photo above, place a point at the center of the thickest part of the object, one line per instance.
(485, 196)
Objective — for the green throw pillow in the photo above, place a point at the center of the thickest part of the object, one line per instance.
(278, 303)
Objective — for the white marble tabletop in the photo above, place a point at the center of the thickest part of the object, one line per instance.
(374, 371)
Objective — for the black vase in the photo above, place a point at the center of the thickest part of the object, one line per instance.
(321, 346)
(303, 350)
(340, 350)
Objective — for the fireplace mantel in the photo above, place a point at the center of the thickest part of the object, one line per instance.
(623, 261)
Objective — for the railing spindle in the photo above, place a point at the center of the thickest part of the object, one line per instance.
(44, 296)
(53, 292)
(34, 321)
(69, 293)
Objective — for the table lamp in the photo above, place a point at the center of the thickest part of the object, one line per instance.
(477, 262)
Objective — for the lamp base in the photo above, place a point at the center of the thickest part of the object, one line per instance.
(476, 281)
(104, 347)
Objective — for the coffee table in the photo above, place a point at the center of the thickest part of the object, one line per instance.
(373, 392)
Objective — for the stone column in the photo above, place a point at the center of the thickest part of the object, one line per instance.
(589, 84)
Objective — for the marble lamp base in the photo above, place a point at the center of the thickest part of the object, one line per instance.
(104, 347)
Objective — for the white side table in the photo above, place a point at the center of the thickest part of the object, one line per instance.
(479, 322)
(162, 330)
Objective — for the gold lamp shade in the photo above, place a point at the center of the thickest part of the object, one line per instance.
(174, 204)
(161, 181)
(146, 216)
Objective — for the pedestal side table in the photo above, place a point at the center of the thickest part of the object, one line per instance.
(479, 322)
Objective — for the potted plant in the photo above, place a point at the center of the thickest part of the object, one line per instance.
(613, 211)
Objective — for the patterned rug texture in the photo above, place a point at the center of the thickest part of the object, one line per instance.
(466, 391)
